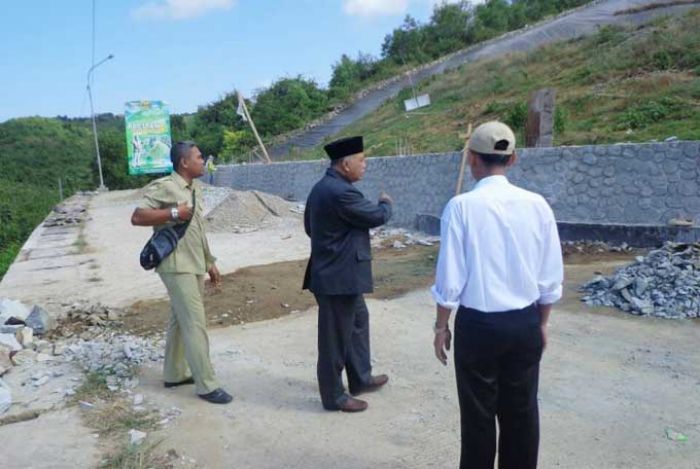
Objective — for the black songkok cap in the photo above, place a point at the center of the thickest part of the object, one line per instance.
(344, 147)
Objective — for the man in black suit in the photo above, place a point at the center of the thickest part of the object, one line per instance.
(337, 219)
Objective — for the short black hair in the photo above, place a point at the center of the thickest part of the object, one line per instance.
(180, 150)
(493, 160)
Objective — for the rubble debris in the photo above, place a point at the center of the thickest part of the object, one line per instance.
(400, 238)
(5, 397)
(72, 211)
(12, 309)
(86, 321)
(9, 340)
(593, 247)
(40, 320)
(665, 283)
(5, 361)
(681, 222)
(25, 337)
(136, 437)
(10, 328)
(117, 356)
(24, 357)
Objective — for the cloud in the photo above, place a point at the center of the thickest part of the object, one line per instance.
(370, 8)
(179, 9)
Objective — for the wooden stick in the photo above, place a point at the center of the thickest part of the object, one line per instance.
(464, 160)
(255, 131)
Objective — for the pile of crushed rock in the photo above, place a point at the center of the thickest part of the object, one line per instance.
(665, 283)
(41, 358)
(117, 356)
(399, 238)
(246, 211)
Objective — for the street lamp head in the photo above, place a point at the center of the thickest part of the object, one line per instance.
(110, 56)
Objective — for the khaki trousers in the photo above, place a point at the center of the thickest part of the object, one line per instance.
(187, 343)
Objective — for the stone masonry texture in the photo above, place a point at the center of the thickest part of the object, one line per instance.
(628, 184)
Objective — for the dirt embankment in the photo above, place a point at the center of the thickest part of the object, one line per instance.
(269, 291)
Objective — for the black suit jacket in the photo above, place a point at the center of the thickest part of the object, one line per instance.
(338, 219)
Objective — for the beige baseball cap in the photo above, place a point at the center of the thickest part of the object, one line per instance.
(492, 138)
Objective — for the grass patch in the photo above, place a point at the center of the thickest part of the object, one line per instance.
(7, 257)
(116, 417)
(112, 417)
(137, 457)
(80, 243)
(93, 388)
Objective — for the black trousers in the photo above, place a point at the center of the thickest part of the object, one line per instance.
(343, 343)
(497, 363)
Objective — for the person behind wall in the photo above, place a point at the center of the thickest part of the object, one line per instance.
(168, 201)
(211, 169)
(500, 266)
(337, 218)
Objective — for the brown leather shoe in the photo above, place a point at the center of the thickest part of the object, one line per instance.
(352, 405)
(375, 383)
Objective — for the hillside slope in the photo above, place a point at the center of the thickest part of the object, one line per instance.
(584, 21)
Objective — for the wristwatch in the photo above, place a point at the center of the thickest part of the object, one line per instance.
(437, 329)
(174, 214)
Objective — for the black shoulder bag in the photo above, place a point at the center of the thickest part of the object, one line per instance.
(163, 242)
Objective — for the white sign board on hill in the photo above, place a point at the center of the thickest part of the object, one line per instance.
(414, 103)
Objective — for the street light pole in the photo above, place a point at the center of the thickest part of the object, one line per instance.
(94, 125)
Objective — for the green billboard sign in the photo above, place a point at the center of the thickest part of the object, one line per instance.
(148, 137)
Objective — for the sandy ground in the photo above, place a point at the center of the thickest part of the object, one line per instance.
(55, 440)
(611, 383)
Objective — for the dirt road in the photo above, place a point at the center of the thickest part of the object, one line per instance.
(611, 386)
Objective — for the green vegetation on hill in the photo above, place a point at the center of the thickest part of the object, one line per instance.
(35, 153)
(620, 85)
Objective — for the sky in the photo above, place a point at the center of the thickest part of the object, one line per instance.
(185, 52)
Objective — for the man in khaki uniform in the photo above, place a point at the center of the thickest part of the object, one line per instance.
(169, 201)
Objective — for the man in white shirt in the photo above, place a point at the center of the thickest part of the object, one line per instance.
(500, 267)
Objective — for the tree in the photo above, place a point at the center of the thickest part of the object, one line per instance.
(448, 29)
(406, 43)
(288, 104)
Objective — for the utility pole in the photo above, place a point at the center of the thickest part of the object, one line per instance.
(94, 125)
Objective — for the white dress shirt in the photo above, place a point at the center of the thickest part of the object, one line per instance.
(499, 250)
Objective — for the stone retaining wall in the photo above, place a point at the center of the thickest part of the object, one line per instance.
(625, 184)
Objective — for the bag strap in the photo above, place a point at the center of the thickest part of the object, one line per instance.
(182, 228)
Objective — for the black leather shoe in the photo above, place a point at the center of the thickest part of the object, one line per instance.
(217, 396)
(179, 383)
(375, 383)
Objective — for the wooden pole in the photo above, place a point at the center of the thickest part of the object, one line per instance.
(255, 131)
(464, 160)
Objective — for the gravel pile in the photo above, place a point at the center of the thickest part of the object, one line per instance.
(665, 283)
(212, 196)
(118, 357)
(247, 211)
(399, 238)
